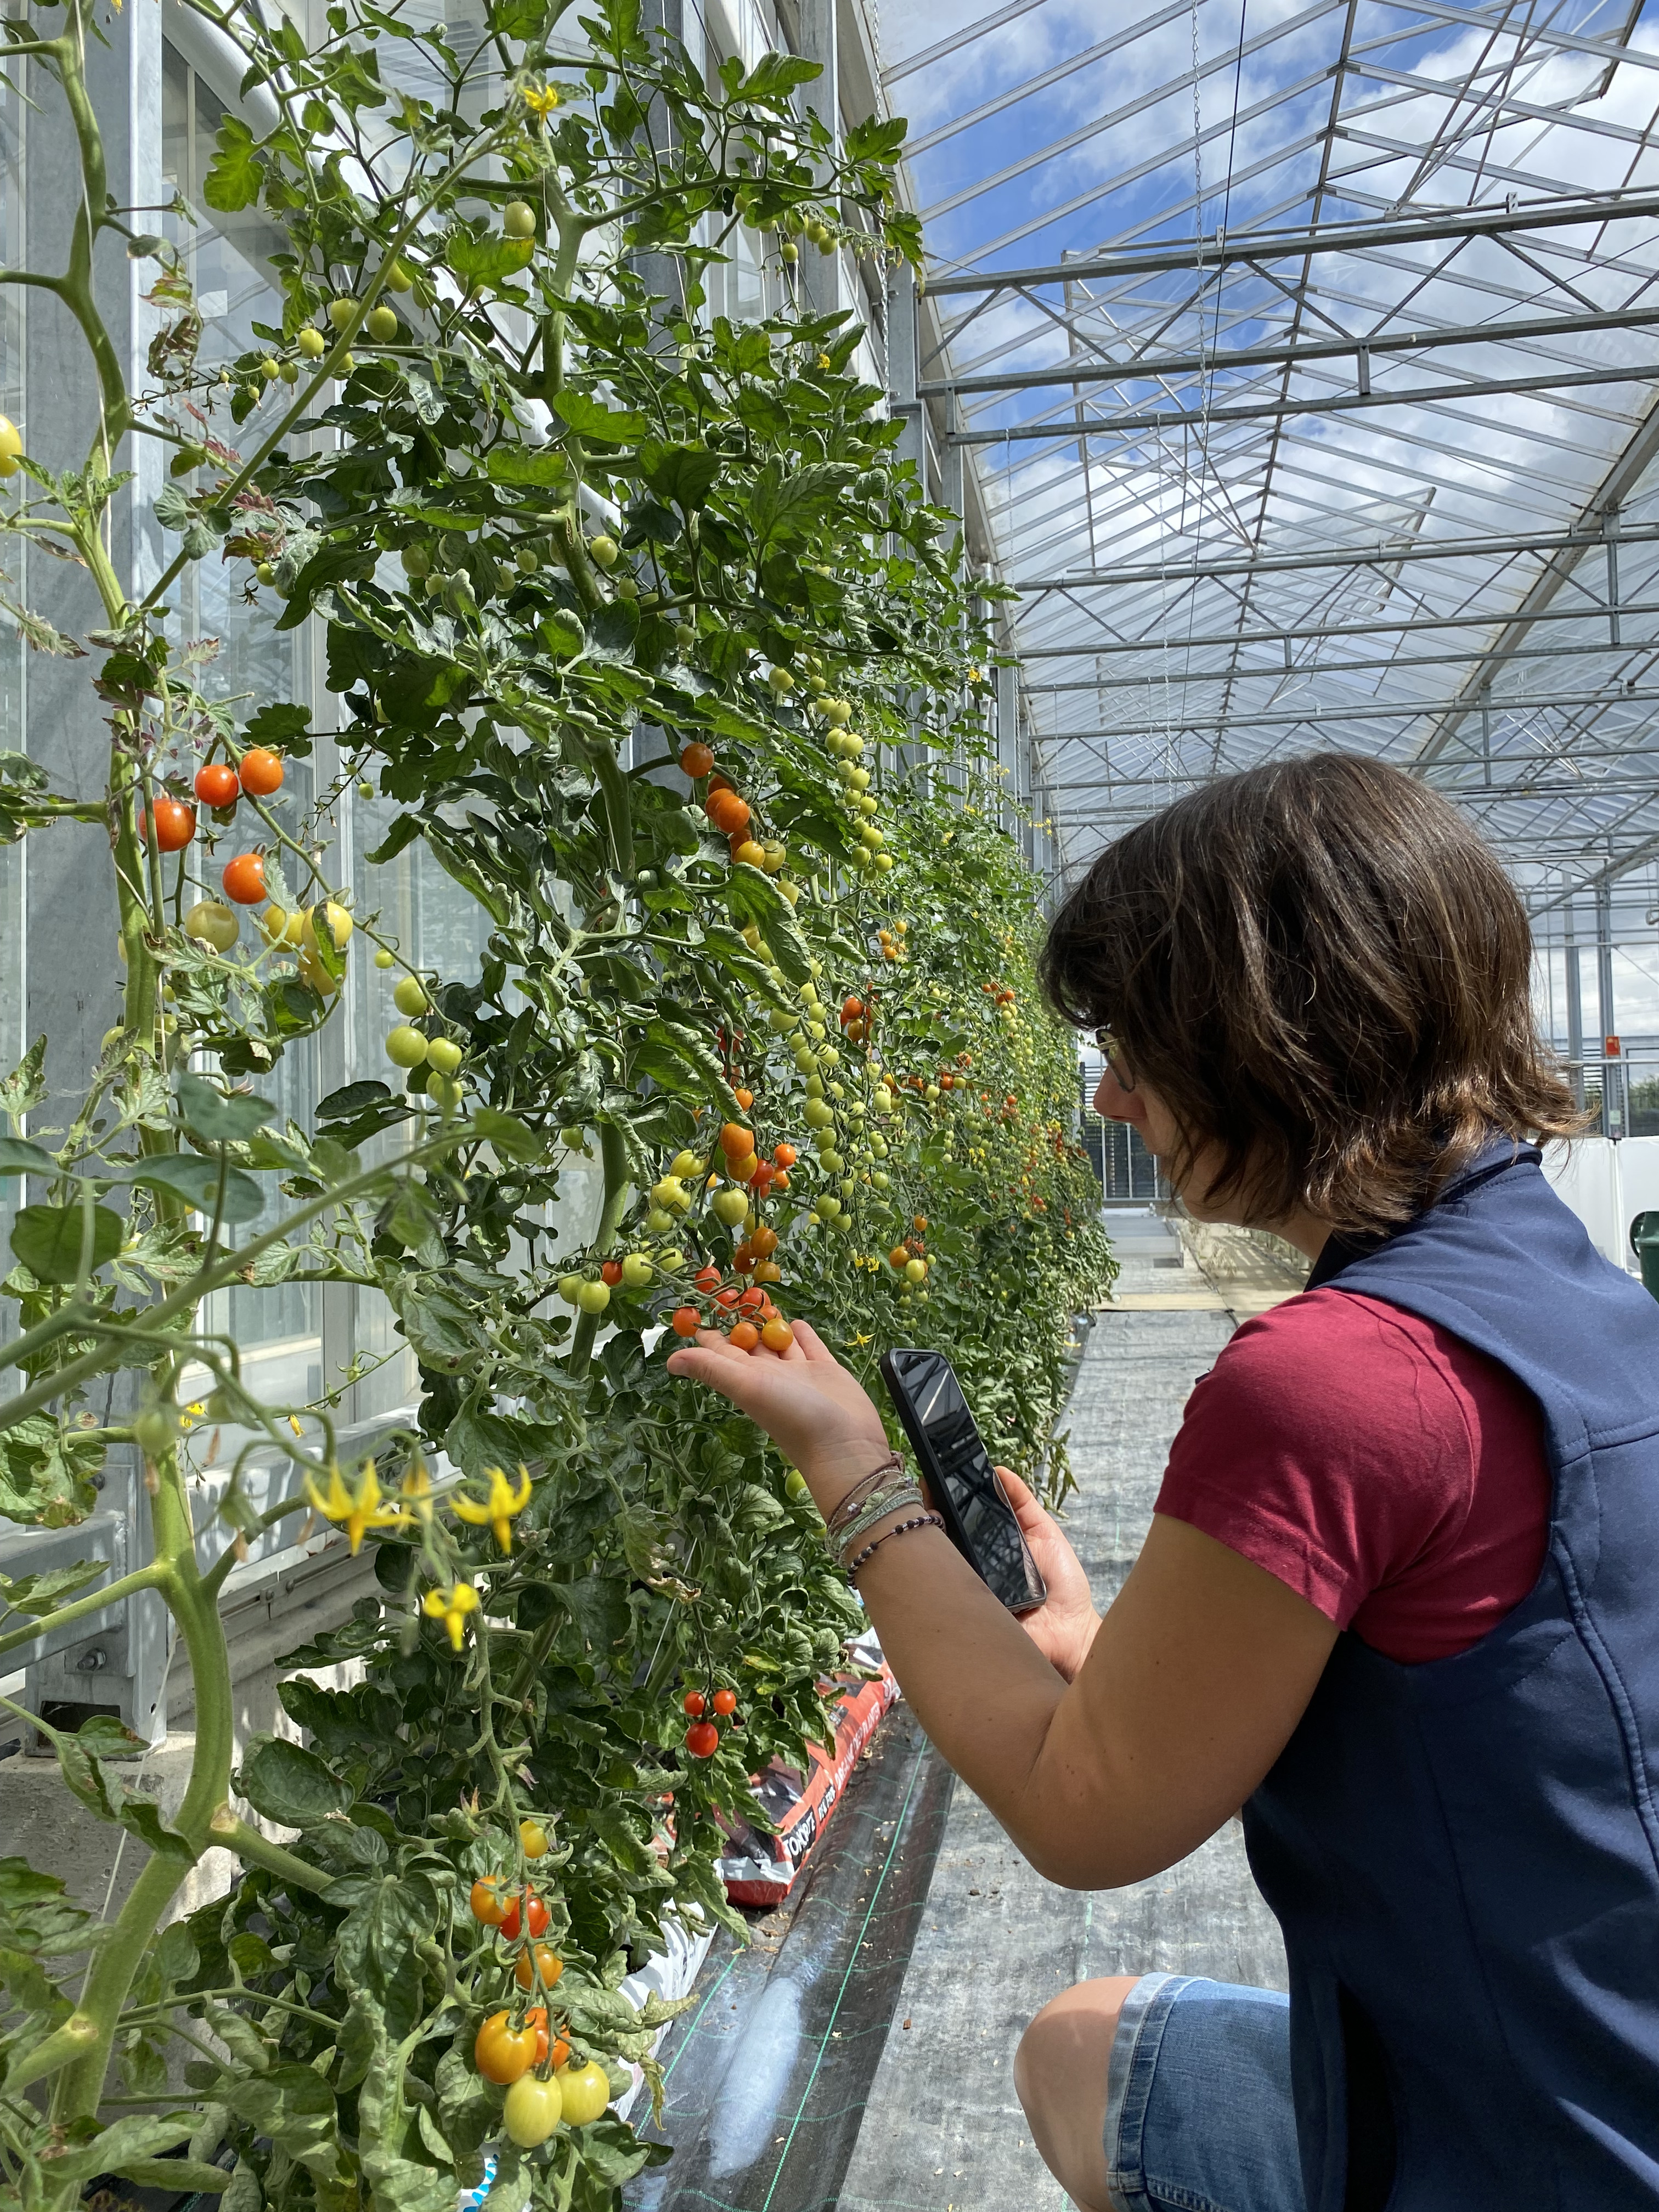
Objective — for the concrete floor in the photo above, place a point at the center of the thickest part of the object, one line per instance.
(944, 2130)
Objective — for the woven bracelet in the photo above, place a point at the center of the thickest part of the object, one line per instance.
(897, 1497)
(899, 1529)
(847, 1508)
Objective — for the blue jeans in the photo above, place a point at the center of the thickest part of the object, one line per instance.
(1199, 2116)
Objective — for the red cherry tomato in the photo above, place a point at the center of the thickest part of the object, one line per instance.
(728, 1297)
(726, 1702)
(751, 1301)
(687, 1321)
(244, 878)
(262, 772)
(217, 784)
(175, 824)
(611, 1272)
(703, 1740)
(745, 1336)
(538, 1916)
(707, 1278)
(693, 1703)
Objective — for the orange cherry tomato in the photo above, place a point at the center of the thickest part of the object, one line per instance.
(850, 1010)
(751, 1301)
(703, 1740)
(767, 1271)
(898, 1256)
(693, 1703)
(538, 1916)
(781, 1180)
(785, 1154)
(175, 824)
(719, 782)
(244, 879)
(736, 1142)
(727, 811)
(919, 1221)
(687, 1321)
(560, 2052)
(762, 1242)
(745, 1098)
(725, 1701)
(707, 1278)
(777, 1335)
(488, 1905)
(536, 2017)
(545, 1970)
(503, 2052)
(696, 759)
(745, 1336)
(217, 784)
(727, 1298)
(262, 771)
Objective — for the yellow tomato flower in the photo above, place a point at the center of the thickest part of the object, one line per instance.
(360, 1510)
(498, 1509)
(414, 1494)
(452, 1606)
(541, 99)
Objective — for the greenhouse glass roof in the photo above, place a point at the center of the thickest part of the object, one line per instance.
(1306, 356)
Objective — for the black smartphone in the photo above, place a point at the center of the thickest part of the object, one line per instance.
(961, 1480)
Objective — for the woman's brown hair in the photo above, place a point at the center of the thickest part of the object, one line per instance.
(1323, 971)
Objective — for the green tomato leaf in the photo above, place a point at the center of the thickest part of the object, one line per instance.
(219, 1119)
(289, 1784)
(235, 173)
(47, 1240)
(18, 1157)
(591, 418)
(196, 1181)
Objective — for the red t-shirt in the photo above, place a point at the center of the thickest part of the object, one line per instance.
(1385, 1470)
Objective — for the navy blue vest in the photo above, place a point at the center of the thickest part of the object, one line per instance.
(1464, 1855)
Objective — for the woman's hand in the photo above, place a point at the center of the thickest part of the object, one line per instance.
(1063, 1626)
(820, 1416)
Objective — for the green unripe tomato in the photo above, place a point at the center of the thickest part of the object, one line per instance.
(789, 252)
(829, 1057)
(573, 1138)
(594, 1297)
(627, 588)
(410, 995)
(533, 2110)
(880, 1179)
(794, 1485)
(637, 1271)
(405, 1047)
(671, 1260)
(659, 1221)
(528, 560)
(818, 1114)
(398, 278)
(154, 1428)
(832, 1162)
(444, 1091)
(685, 636)
(780, 681)
(383, 958)
(382, 324)
(265, 571)
(570, 1289)
(291, 372)
(731, 1206)
(341, 311)
(445, 1055)
(884, 862)
(519, 219)
(604, 550)
(268, 370)
(312, 344)
(366, 790)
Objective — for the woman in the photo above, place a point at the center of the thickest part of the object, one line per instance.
(1398, 1601)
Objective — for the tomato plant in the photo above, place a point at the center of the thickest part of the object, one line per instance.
(529, 512)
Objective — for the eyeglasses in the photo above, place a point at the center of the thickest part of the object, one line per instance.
(1112, 1052)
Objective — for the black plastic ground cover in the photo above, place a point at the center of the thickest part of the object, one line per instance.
(768, 2075)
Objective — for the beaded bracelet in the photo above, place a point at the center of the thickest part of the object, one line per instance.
(899, 1529)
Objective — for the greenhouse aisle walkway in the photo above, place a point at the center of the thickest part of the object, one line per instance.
(943, 2129)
